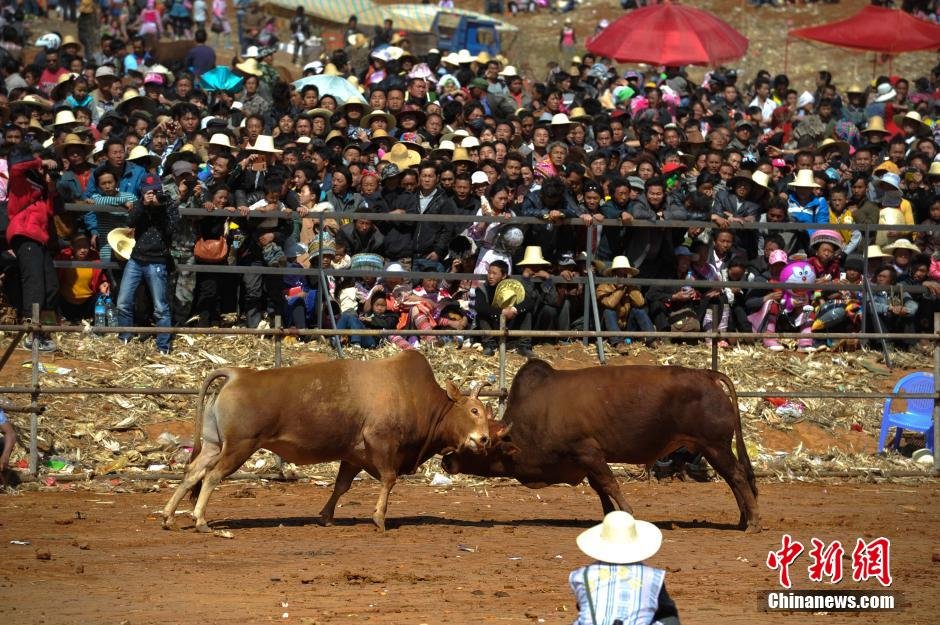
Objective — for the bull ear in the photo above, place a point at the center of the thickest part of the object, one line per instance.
(452, 391)
(503, 432)
(509, 449)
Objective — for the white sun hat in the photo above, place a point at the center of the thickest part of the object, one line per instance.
(621, 539)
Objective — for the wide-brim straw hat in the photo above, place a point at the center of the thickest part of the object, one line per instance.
(34, 100)
(132, 97)
(912, 117)
(37, 129)
(761, 179)
(620, 539)
(829, 144)
(875, 124)
(901, 244)
(509, 72)
(533, 256)
(578, 114)
(378, 114)
(446, 148)
(141, 155)
(264, 143)
(64, 118)
(121, 241)
(73, 140)
(804, 178)
(622, 262)
(249, 66)
(934, 169)
(461, 155)
(401, 156)
(509, 292)
(560, 119)
(222, 140)
(875, 251)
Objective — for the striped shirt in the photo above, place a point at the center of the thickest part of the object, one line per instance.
(628, 592)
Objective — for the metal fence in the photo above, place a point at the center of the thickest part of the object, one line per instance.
(590, 312)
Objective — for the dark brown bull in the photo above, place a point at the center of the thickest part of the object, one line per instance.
(567, 425)
(384, 416)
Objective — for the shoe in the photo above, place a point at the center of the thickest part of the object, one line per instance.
(806, 349)
(698, 470)
(724, 344)
(773, 345)
(164, 351)
(488, 351)
(621, 348)
(47, 345)
(525, 352)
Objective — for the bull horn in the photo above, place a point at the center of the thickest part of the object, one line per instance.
(476, 388)
(503, 432)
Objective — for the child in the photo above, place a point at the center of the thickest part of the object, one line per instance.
(100, 224)
(826, 246)
(902, 250)
(618, 586)
(839, 214)
(272, 253)
(300, 299)
(79, 287)
(843, 308)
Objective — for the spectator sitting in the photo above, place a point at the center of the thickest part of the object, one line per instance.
(902, 251)
(515, 304)
(300, 299)
(894, 306)
(618, 586)
(361, 236)
(826, 246)
(79, 287)
(622, 305)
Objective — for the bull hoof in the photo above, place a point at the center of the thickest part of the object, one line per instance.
(752, 528)
(203, 528)
(379, 522)
(326, 521)
(168, 523)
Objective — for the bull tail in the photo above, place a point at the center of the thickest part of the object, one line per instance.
(200, 417)
(743, 459)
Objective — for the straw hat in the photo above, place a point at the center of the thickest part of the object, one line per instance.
(622, 262)
(222, 140)
(251, 52)
(378, 114)
(330, 70)
(533, 256)
(912, 117)
(461, 155)
(141, 153)
(326, 114)
(934, 169)
(620, 539)
(63, 83)
(133, 97)
(826, 236)
(64, 118)
(804, 179)
(509, 292)
(560, 119)
(828, 144)
(876, 124)
(264, 143)
(121, 241)
(446, 149)
(509, 72)
(401, 156)
(71, 140)
(70, 40)
(35, 100)
(875, 251)
(464, 56)
(469, 143)
(901, 244)
(37, 129)
(578, 114)
(249, 66)
(761, 179)
(855, 88)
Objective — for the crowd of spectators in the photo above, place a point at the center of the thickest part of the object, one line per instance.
(280, 164)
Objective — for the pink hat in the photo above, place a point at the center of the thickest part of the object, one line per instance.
(153, 79)
(831, 237)
(778, 256)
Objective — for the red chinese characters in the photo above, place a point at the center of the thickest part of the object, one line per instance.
(872, 559)
(827, 561)
(789, 551)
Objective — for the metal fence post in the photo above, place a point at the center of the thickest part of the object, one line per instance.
(589, 255)
(716, 317)
(936, 397)
(278, 324)
(34, 398)
(502, 365)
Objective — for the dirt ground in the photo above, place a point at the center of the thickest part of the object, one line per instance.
(499, 553)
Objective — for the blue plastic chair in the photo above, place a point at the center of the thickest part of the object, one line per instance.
(917, 415)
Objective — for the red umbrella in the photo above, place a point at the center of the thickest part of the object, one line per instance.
(669, 34)
(876, 29)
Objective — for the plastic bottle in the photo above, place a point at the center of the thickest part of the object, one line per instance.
(101, 312)
(687, 288)
(110, 312)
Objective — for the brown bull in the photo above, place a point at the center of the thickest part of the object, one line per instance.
(384, 416)
(568, 425)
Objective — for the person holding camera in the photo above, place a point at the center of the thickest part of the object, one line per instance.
(30, 196)
(154, 219)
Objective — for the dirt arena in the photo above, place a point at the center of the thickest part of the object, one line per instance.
(499, 553)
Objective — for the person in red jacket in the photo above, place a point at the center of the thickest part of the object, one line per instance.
(29, 207)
